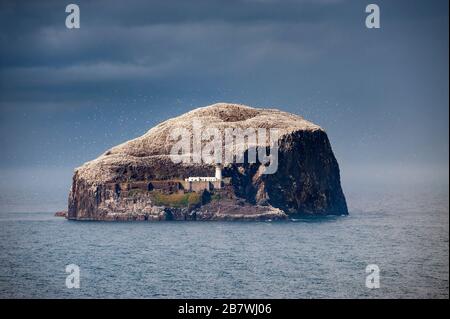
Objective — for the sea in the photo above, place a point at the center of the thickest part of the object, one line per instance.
(402, 238)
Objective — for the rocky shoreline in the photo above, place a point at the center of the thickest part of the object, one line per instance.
(61, 214)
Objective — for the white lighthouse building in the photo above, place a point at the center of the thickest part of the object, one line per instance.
(218, 172)
(197, 183)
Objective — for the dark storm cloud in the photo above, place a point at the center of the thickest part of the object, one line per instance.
(138, 12)
(159, 42)
(108, 24)
(153, 52)
(154, 42)
(67, 95)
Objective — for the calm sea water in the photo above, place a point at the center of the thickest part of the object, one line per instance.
(405, 235)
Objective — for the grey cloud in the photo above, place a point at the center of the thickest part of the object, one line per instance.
(162, 52)
(134, 63)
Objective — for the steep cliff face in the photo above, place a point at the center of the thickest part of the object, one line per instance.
(307, 180)
(115, 185)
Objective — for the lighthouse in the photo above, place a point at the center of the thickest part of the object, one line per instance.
(218, 172)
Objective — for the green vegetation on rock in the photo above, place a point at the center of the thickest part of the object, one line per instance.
(176, 200)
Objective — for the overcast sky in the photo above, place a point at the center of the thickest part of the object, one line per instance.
(68, 95)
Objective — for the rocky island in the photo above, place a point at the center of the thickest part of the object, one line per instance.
(139, 180)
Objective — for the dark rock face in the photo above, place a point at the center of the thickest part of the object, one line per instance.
(114, 187)
(307, 180)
